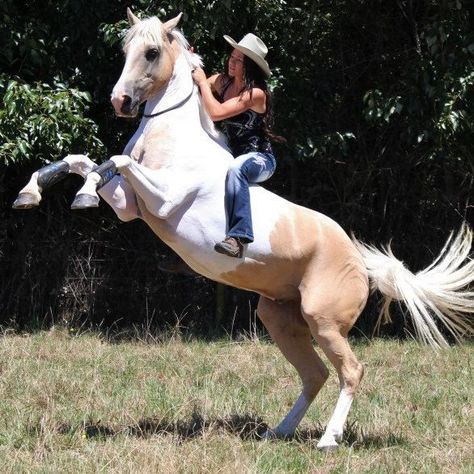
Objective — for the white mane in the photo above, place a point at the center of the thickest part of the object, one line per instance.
(151, 29)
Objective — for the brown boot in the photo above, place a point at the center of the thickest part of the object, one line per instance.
(230, 246)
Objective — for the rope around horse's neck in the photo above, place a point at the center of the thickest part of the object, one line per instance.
(176, 106)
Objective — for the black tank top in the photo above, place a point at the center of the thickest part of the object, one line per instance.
(245, 132)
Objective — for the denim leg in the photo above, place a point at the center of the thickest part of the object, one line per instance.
(246, 169)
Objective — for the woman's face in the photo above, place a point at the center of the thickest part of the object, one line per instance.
(236, 64)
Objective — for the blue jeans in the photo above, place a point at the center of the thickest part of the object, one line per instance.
(253, 167)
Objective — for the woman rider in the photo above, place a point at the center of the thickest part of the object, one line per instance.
(243, 107)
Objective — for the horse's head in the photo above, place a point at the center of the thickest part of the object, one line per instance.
(150, 54)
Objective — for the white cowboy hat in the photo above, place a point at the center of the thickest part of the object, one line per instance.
(253, 47)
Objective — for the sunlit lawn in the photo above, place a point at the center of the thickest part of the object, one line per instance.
(87, 404)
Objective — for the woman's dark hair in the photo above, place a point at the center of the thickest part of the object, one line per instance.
(255, 77)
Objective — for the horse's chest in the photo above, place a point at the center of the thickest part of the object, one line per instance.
(138, 148)
(158, 146)
(153, 147)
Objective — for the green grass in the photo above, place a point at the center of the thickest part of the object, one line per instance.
(85, 404)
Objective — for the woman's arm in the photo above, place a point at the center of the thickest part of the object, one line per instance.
(235, 106)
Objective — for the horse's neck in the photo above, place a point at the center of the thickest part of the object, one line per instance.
(178, 88)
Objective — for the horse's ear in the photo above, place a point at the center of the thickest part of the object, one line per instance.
(133, 19)
(171, 24)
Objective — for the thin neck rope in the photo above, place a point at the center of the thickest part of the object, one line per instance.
(175, 106)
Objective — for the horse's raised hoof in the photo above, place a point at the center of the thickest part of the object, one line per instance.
(26, 201)
(85, 201)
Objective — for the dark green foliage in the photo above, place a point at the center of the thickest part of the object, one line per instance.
(375, 98)
(39, 122)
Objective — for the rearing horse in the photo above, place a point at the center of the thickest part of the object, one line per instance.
(313, 280)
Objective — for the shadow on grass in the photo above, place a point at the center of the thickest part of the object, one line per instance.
(354, 436)
(243, 426)
(246, 427)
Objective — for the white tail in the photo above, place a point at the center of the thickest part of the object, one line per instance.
(438, 293)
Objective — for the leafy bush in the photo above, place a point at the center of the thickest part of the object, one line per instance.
(44, 122)
(375, 99)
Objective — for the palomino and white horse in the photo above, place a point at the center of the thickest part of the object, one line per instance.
(313, 280)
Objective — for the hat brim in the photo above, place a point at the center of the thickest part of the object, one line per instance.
(259, 61)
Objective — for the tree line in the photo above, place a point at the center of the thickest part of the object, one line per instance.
(374, 97)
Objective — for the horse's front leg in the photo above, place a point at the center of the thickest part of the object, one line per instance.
(44, 178)
(155, 187)
(103, 180)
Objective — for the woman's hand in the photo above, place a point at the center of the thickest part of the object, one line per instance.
(199, 76)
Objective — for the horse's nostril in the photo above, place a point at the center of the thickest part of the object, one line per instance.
(126, 104)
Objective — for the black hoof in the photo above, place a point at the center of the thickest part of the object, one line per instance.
(84, 201)
(25, 201)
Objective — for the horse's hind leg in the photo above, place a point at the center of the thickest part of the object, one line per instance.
(350, 372)
(293, 337)
(44, 178)
(329, 323)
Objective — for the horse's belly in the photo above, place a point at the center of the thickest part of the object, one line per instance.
(272, 265)
(287, 240)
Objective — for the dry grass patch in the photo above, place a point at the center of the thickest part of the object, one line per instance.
(85, 404)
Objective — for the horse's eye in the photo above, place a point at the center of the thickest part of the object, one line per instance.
(151, 54)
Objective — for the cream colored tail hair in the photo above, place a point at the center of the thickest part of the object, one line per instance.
(438, 293)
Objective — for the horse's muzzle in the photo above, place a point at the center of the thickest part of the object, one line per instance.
(124, 106)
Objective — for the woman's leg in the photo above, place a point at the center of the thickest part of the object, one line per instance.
(246, 169)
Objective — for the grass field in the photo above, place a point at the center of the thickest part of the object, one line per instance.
(88, 404)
